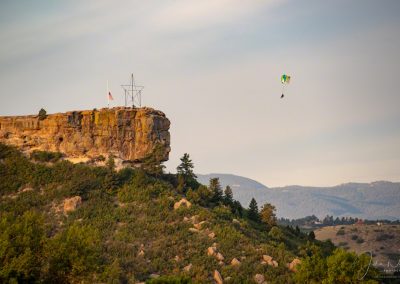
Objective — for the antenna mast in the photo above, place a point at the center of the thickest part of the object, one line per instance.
(134, 92)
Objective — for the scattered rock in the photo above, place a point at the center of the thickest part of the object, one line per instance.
(269, 260)
(235, 262)
(193, 230)
(211, 235)
(293, 264)
(219, 256)
(221, 263)
(228, 278)
(141, 250)
(182, 202)
(236, 221)
(186, 219)
(187, 268)
(27, 189)
(195, 219)
(211, 251)
(259, 279)
(218, 277)
(70, 204)
(154, 275)
(177, 258)
(197, 226)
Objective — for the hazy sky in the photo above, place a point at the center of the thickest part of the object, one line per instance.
(214, 68)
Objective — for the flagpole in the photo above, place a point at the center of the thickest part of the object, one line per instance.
(108, 97)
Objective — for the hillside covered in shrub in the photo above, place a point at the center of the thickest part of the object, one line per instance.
(67, 223)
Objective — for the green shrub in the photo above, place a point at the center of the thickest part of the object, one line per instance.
(42, 114)
(72, 253)
(21, 253)
(360, 240)
(276, 233)
(341, 267)
(340, 232)
(223, 213)
(384, 237)
(45, 156)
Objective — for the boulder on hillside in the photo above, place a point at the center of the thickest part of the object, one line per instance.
(218, 277)
(269, 260)
(259, 279)
(211, 251)
(211, 235)
(70, 204)
(183, 202)
(187, 268)
(193, 230)
(293, 264)
(235, 262)
(219, 256)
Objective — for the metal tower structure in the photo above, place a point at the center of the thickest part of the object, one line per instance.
(133, 93)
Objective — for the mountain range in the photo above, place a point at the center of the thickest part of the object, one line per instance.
(375, 200)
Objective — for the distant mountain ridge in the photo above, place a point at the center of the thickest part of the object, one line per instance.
(375, 200)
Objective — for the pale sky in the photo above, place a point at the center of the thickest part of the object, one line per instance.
(214, 68)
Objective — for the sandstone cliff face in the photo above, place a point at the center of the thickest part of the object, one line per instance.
(128, 134)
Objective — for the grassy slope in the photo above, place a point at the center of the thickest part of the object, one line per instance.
(121, 214)
(382, 240)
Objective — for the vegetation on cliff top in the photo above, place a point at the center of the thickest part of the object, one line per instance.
(126, 229)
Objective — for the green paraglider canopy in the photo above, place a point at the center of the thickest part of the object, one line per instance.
(285, 79)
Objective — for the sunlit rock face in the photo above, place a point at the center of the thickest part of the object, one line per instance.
(129, 134)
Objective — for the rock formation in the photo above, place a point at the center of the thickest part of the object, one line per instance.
(70, 204)
(129, 134)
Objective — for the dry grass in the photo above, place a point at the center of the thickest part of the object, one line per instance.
(382, 241)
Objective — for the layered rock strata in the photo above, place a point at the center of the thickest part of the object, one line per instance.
(129, 134)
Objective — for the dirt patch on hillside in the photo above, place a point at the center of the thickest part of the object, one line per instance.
(380, 240)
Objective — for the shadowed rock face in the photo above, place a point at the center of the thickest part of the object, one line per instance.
(128, 134)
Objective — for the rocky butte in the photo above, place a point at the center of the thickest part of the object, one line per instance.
(129, 134)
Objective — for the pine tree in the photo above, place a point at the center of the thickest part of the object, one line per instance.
(228, 195)
(237, 208)
(185, 174)
(215, 188)
(186, 167)
(253, 210)
(42, 114)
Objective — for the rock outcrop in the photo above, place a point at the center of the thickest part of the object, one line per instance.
(259, 279)
(293, 265)
(183, 202)
(129, 134)
(217, 277)
(71, 204)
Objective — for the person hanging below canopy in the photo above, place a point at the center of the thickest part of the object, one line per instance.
(285, 79)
